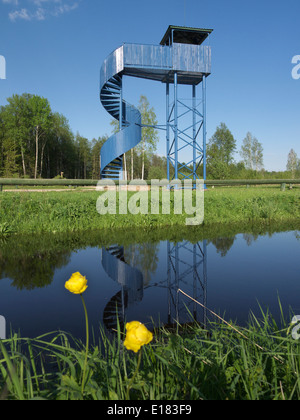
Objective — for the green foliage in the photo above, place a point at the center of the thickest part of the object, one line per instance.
(187, 362)
(5, 229)
(149, 134)
(37, 142)
(220, 157)
(220, 152)
(72, 211)
(293, 163)
(252, 153)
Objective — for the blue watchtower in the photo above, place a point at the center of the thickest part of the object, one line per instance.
(180, 59)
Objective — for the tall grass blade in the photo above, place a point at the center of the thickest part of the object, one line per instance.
(17, 387)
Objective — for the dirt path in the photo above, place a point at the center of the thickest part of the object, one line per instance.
(50, 190)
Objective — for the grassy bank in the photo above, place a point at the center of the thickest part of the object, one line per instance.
(221, 362)
(73, 211)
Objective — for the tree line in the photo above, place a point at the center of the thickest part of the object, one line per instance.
(222, 164)
(36, 142)
(221, 151)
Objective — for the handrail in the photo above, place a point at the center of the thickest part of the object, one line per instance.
(233, 182)
(47, 182)
(155, 62)
(94, 182)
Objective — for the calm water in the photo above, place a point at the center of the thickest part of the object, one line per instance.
(229, 275)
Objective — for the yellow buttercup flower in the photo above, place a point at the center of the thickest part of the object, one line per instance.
(137, 336)
(77, 284)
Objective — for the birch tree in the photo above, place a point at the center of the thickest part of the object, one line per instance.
(149, 133)
(292, 162)
(41, 121)
(252, 153)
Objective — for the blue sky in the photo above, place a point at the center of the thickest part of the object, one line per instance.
(55, 48)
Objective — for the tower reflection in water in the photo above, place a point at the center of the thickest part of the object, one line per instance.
(186, 269)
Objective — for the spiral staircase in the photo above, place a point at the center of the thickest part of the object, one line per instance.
(180, 57)
(129, 135)
(131, 282)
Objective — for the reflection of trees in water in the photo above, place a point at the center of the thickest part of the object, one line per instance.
(223, 244)
(250, 238)
(31, 262)
(32, 271)
(144, 257)
(28, 267)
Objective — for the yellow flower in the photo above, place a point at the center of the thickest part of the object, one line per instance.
(137, 336)
(77, 284)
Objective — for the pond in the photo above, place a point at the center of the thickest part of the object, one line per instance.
(228, 275)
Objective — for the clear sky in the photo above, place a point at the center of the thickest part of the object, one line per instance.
(55, 48)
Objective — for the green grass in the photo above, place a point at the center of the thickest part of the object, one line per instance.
(75, 211)
(252, 204)
(260, 362)
(220, 362)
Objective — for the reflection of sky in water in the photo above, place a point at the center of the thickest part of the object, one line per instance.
(241, 272)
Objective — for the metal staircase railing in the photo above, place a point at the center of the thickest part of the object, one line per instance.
(129, 278)
(129, 119)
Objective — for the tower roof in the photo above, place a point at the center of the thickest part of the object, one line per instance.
(184, 35)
